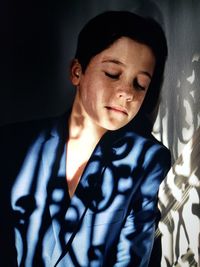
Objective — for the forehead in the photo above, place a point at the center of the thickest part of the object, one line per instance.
(127, 52)
(126, 47)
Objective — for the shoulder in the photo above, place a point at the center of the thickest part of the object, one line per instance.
(29, 129)
(16, 138)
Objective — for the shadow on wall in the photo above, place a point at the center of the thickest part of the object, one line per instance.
(179, 115)
(180, 208)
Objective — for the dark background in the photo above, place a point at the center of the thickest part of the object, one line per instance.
(38, 40)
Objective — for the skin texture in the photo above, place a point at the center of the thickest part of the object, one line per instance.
(109, 94)
(112, 83)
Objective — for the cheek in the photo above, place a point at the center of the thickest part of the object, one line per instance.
(97, 90)
(136, 105)
(140, 98)
(89, 94)
(86, 89)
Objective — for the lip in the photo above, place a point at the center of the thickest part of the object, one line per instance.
(117, 109)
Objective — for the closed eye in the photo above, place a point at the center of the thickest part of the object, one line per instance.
(137, 86)
(112, 76)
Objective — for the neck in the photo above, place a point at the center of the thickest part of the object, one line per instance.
(81, 126)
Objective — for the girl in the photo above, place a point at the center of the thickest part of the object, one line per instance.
(83, 186)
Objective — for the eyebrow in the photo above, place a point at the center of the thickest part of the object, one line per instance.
(115, 61)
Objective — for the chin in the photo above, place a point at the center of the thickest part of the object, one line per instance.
(114, 127)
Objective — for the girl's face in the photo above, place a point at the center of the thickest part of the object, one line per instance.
(113, 87)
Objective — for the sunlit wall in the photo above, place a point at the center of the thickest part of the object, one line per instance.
(177, 125)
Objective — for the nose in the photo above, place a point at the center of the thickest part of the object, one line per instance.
(126, 93)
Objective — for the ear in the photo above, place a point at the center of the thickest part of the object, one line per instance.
(75, 72)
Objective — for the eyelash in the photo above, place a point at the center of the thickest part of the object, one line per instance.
(135, 82)
(112, 76)
(138, 86)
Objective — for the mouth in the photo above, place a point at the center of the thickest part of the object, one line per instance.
(118, 109)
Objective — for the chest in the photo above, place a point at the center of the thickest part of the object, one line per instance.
(77, 157)
(107, 185)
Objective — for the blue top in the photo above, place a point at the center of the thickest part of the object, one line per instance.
(109, 221)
